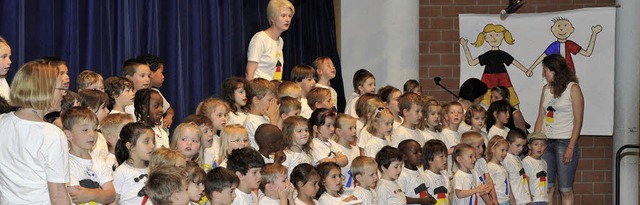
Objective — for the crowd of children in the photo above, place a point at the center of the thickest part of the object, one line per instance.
(271, 142)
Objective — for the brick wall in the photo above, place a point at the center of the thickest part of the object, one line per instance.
(439, 56)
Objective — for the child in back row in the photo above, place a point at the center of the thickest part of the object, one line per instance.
(320, 98)
(496, 152)
(390, 96)
(232, 137)
(97, 102)
(246, 163)
(275, 185)
(5, 62)
(303, 75)
(89, 80)
(120, 91)
(234, 92)
(288, 107)
(363, 82)
(517, 177)
(411, 110)
(148, 110)
(366, 105)
(111, 127)
(497, 116)
(262, 105)
(380, 125)
(365, 173)
(430, 125)
(344, 140)
(321, 124)
(413, 86)
(534, 166)
(156, 78)
(325, 72)
(296, 142)
(475, 117)
(133, 151)
(436, 177)
(388, 191)
(411, 180)
(466, 181)
(138, 73)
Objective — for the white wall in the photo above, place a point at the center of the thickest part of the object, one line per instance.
(382, 37)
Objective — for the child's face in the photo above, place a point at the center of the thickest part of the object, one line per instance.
(369, 86)
(502, 117)
(264, 102)
(495, 96)
(98, 85)
(413, 154)
(500, 152)
(5, 59)
(226, 196)
(252, 178)
(155, 106)
(126, 97)
(189, 143)
(433, 117)
(307, 84)
(454, 115)
(311, 187)
(393, 102)
(477, 120)
(327, 70)
(207, 136)
(394, 170)
(144, 146)
(413, 115)
(219, 117)
(196, 191)
(300, 135)
(240, 96)
(439, 162)
(333, 181)
(515, 147)
(82, 135)
(102, 112)
(536, 148)
(64, 71)
(478, 146)
(348, 130)
(467, 159)
(238, 141)
(368, 178)
(493, 38)
(281, 181)
(562, 29)
(293, 112)
(141, 78)
(157, 78)
(417, 90)
(181, 197)
(326, 102)
(385, 126)
(326, 130)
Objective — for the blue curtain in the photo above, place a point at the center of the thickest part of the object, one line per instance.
(202, 42)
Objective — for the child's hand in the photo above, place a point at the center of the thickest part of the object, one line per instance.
(79, 194)
(272, 111)
(167, 121)
(483, 189)
(285, 191)
(350, 198)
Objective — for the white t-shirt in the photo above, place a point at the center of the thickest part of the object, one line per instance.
(100, 149)
(300, 202)
(536, 169)
(493, 131)
(363, 135)
(438, 185)
(403, 133)
(88, 173)
(334, 94)
(129, 183)
(5, 89)
(466, 181)
(500, 181)
(162, 137)
(351, 105)
(374, 145)
(210, 155)
(31, 154)
(251, 124)
(451, 139)
(517, 179)
(268, 54)
(481, 168)
(296, 158)
(388, 193)
(352, 152)
(412, 183)
(429, 135)
(305, 110)
(326, 199)
(368, 196)
(112, 162)
(236, 118)
(265, 200)
(131, 110)
(321, 150)
(245, 198)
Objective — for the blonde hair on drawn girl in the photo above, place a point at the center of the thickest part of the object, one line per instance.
(494, 28)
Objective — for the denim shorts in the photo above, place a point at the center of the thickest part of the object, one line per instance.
(556, 169)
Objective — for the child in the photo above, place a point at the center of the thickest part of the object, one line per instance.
(164, 156)
(344, 140)
(380, 125)
(291, 89)
(232, 137)
(138, 72)
(168, 186)
(431, 126)
(220, 184)
(270, 139)
(412, 86)
(234, 92)
(388, 191)
(498, 116)
(110, 127)
(411, 111)
(466, 181)
(133, 151)
(331, 189)
(304, 76)
(321, 125)
(517, 177)
(275, 185)
(305, 178)
(411, 180)
(390, 95)
(476, 116)
(496, 152)
(89, 80)
(210, 141)
(320, 98)
(476, 140)
(436, 177)
(326, 71)
(5, 63)
(120, 91)
(156, 79)
(195, 178)
(534, 166)
(91, 178)
(363, 82)
(216, 110)
(366, 105)
(246, 164)
(262, 105)
(63, 69)
(98, 102)
(365, 173)
(288, 107)
(148, 110)
(296, 142)
(187, 139)
(452, 117)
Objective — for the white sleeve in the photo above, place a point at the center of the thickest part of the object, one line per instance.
(55, 152)
(103, 171)
(256, 47)
(118, 181)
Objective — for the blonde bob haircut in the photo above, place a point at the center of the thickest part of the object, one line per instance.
(33, 85)
(494, 28)
(275, 6)
(178, 133)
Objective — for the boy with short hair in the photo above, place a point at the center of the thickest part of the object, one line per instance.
(288, 107)
(276, 186)
(517, 177)
(291, 89)
(89, 176)
(167, 185)
(90, 80)
(269, 139)
(325, 72)
(157, 78)
(388, 191)
(365, 172)
(138, 72)
(110, 127)
(262, 107)
(535, 167)
(320, 98)
(411, 179)
(246, 163)
(436, 178)
(304, 76)
(220, 184)
(411, 111)
(120, 90)
(363, 82)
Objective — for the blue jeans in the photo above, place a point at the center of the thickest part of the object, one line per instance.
(565, 173)
(539, 203)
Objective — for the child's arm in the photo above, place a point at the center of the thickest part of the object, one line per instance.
(467, 53)
(482, 189)
(272, 112)
(492, 193)
(425, 200)
(82, 195)
(58, 193)
(486, 198)
(168, 118)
